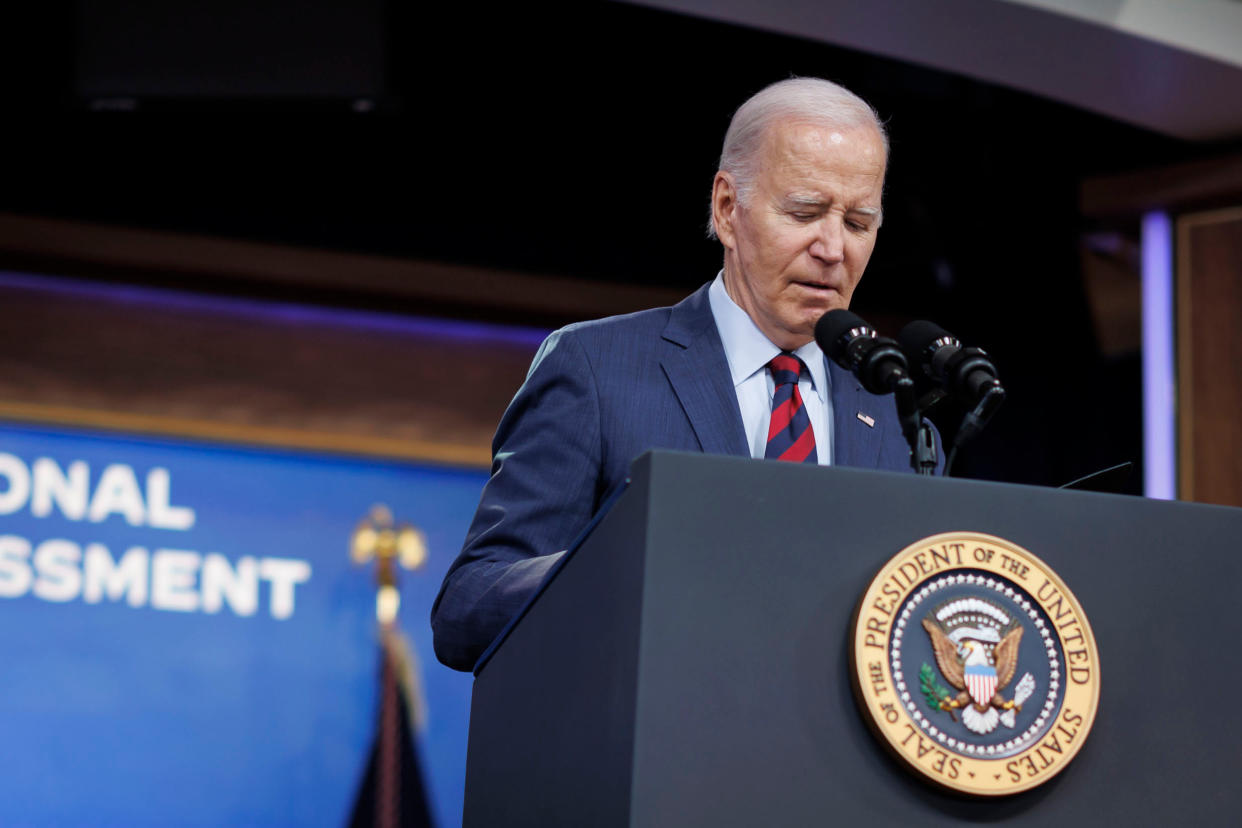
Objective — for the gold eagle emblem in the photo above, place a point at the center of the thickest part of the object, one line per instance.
(976, 647)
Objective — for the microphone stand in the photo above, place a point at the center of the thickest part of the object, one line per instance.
(974, 421)
(917, 431)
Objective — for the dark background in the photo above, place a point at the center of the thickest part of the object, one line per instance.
(579, 141)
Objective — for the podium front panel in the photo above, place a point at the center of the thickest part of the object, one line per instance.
(694, 651)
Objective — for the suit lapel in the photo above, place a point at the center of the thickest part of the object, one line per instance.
(694, 362)
(855, 443)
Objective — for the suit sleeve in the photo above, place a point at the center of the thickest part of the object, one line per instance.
(542, 493)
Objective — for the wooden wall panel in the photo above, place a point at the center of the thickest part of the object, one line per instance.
(246, 372)
(1209, 346)
(233, 266)
(103, 352)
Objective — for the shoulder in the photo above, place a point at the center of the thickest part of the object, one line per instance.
(638, 333)
(641, 325)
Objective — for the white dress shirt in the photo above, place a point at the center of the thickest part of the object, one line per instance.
(749, 352)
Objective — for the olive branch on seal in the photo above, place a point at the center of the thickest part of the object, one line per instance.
(935, 692)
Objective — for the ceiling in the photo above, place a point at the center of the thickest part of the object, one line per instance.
(1171, 67)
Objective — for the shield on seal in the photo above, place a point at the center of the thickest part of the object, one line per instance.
(981, 682)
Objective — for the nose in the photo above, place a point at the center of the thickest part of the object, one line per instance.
(829, 244)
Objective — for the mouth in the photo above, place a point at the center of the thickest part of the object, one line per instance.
(818, 287)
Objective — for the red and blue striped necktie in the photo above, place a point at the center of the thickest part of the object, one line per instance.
(789, 431)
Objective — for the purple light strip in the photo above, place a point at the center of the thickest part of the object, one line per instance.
(1159, 389)
(271, 311)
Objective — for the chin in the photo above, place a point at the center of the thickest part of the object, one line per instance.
(813, 315)
(837, 302)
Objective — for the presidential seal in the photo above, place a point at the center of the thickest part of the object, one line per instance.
(975, 664)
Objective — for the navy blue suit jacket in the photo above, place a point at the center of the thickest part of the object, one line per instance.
(599, 394)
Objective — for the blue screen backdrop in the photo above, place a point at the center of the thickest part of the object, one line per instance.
(185, 640)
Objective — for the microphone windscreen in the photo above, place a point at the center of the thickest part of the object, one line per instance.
(919, 336)
(831, 329)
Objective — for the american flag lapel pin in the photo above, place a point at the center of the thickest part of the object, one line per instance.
(870, 421)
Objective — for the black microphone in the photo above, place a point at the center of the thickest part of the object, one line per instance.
(876, 361)
(966, 373)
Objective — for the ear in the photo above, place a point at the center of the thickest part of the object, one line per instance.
(724, 208)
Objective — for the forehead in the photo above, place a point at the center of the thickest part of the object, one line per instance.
(800, 154)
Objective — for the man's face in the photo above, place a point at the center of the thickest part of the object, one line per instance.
(798, 249)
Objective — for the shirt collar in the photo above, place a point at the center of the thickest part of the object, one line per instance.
(748, 350)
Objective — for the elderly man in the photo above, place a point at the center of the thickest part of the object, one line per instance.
(732, 369)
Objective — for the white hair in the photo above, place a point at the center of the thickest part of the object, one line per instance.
(811, 100)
